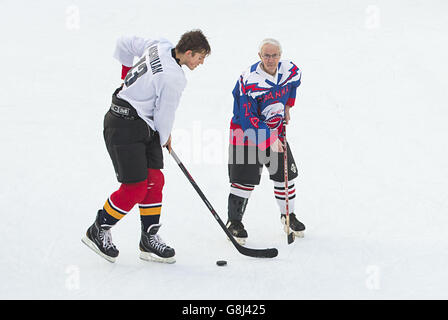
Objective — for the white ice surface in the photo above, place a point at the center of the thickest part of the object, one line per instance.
(369, 133)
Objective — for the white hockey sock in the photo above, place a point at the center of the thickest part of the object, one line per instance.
(241, 190)
(279, 192)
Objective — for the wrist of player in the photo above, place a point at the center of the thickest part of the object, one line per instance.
(168, 144)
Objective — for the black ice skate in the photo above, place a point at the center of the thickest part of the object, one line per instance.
(297, 227)
(153, 248)
(236, 228)
(99, 239)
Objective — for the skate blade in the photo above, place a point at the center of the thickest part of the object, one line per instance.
(148, 256)
(297, 234)
(95, 249)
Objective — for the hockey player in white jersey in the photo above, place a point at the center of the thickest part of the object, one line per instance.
(136, 127)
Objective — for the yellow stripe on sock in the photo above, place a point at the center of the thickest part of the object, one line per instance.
(150, 211)
(111, 211)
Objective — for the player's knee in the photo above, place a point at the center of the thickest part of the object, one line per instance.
(135, 192)
(156, 179)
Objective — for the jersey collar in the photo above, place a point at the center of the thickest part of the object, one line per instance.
(173, 53)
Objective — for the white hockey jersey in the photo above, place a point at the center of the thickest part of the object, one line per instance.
(155, 83)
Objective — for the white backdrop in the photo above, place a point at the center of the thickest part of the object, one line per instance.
(369, 132)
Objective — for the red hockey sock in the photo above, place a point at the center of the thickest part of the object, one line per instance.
(151, 205)
(123, 200)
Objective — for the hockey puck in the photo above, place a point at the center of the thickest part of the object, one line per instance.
(221, 263)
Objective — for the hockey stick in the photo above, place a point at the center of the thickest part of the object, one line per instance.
(257, 253)
(290, 235)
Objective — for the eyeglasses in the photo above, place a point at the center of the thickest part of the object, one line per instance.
(273, 56)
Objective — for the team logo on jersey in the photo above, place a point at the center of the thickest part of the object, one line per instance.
(274, 115)
(274, 122)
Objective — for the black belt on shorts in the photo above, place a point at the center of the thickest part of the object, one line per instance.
(122, 108)
(123, 112)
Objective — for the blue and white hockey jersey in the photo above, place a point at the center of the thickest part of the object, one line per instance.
(259, 103)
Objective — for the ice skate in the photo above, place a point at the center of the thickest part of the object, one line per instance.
(297, 227)
(236, 228)
(152, 247)
(98, 238)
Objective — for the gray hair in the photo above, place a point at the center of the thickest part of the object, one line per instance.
(270, 41)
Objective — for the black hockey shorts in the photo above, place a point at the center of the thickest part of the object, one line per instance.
(246, 164)
(133, 147)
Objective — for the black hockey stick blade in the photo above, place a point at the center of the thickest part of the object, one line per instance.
(256, 253)
(250, 252)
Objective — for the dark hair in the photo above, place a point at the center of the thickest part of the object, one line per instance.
(195, 41)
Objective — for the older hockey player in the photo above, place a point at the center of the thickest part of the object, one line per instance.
(137, 125)
(263, 96)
